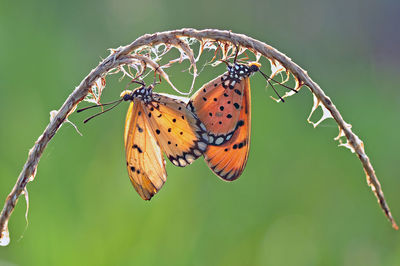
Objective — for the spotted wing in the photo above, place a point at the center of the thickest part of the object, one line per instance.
(229, 159)
(218, 104)
(179, 132)
(144, 159)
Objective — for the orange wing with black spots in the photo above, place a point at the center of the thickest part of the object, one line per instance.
(229, 159)
(144, 158)
(223, 105)
(180, 133)
(157, 123)
(218, 105)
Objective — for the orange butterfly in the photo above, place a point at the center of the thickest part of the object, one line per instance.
(224, 106)
(157, 123)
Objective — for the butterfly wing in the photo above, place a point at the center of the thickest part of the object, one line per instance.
(229, 159)
(218, 104)
(179, 132)
(144, 158)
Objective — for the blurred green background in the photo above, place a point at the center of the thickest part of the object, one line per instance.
(301, 200)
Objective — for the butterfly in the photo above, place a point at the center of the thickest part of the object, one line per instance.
(224, 106)
(155, 124)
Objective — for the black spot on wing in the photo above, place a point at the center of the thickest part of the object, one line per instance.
(137, 147)
(240, 123)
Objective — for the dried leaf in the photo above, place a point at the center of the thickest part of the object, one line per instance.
(186, 52)
(325, 112)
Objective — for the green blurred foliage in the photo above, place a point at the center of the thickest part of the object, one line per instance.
(300, 201)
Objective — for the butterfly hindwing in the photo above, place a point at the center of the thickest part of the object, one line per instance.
(180, 133)
(144, 158)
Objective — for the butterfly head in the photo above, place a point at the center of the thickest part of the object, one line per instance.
(254, 67)
(143, 93)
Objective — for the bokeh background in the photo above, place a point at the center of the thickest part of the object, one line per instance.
(301, 200)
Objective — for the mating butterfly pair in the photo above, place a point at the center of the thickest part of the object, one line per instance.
(215, 123)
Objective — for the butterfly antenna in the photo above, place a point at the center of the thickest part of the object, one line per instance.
(102, 112)
(269, 82)
(268, 78)
(96, 105)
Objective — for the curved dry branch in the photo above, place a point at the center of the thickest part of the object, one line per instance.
(122, 56)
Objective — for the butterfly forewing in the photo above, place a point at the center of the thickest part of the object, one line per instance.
(229, 159)
(180, 133)
(218, 105)
(144, 158)
(223, 105)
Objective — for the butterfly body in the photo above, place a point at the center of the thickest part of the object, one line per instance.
(157, 124)
(224, 106)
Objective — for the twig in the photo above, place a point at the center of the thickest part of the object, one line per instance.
(122, 56)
